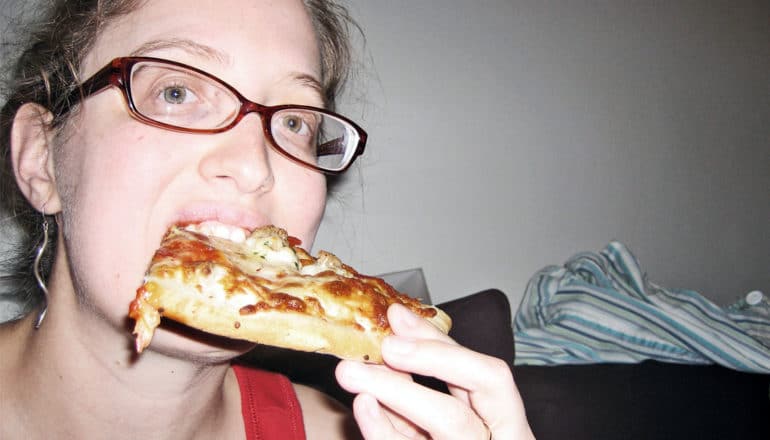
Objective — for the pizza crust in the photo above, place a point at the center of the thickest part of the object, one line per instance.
(269, 327)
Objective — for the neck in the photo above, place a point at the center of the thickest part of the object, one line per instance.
(77, 376)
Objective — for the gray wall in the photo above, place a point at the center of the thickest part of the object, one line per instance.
(507, 135)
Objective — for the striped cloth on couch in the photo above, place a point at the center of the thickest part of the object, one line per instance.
(601, 308)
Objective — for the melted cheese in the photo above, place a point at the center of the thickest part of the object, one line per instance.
(262, 274)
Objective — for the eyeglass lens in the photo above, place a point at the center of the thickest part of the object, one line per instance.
(186, 99)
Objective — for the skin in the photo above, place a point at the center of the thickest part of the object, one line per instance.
(115, 185)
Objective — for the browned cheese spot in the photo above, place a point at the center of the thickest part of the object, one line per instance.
(284, 301)
(248, 310)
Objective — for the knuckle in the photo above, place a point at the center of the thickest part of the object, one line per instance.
(460, 422)
(499, 368)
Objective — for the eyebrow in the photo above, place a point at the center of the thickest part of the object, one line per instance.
(184, 44)
(194, 47)
(307, 80)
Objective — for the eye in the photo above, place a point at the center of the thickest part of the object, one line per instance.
(295, 124)
(175, 94)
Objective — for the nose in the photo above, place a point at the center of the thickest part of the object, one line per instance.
(241, 158)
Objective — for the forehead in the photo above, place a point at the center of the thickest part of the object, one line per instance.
(230, 38)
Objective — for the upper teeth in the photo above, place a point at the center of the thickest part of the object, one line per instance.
(221, 230)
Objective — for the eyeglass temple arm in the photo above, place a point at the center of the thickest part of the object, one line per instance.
(334, 146)
(97, 82)
(337, 146)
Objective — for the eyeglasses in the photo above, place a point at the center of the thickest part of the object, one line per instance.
(179, 97)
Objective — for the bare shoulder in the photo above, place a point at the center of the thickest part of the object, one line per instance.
(325, 417)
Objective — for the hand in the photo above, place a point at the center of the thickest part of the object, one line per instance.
(483, 402)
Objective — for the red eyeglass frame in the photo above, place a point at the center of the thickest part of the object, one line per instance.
(117, 74)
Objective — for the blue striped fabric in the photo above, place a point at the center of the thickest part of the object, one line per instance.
(601, 308)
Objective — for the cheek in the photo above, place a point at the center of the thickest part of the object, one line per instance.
(110, 181)
(299, 205)
(107, 197)
(106, 161)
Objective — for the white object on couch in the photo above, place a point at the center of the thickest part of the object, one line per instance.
(411, 282)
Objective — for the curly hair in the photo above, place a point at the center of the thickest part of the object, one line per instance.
(44, 68)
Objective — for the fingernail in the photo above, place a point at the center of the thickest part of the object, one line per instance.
(354, 372)
(398, 346)
(407, 317)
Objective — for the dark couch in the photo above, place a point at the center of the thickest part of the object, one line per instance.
(650, 400)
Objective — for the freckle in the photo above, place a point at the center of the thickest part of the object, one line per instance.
(237, 324)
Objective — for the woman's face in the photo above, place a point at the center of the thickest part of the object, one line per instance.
(122, 183)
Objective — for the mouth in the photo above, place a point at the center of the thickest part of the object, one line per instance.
(228, 222)
(217, 229)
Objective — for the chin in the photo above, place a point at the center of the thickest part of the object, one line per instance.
(179, 341)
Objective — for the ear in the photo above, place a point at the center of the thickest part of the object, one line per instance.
(32, 159)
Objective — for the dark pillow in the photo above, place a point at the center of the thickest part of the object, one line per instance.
(481, 321)
(649, 400)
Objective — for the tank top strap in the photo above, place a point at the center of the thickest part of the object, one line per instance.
(269, 405)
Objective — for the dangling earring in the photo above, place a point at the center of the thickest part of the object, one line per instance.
(36, 270)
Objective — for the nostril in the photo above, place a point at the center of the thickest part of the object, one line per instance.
(267, 184)
(241, 159)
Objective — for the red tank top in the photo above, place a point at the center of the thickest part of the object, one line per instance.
(269, 405)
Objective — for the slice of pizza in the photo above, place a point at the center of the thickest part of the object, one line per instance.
(264, 288)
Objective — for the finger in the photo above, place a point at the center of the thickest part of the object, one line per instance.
(484, 383)
(378, 423)
(447, 361)
(371, 418)
(348, 376)
(404, 322)
(439, 414)
(407, 324)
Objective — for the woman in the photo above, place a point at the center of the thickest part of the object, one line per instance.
(109, 178)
